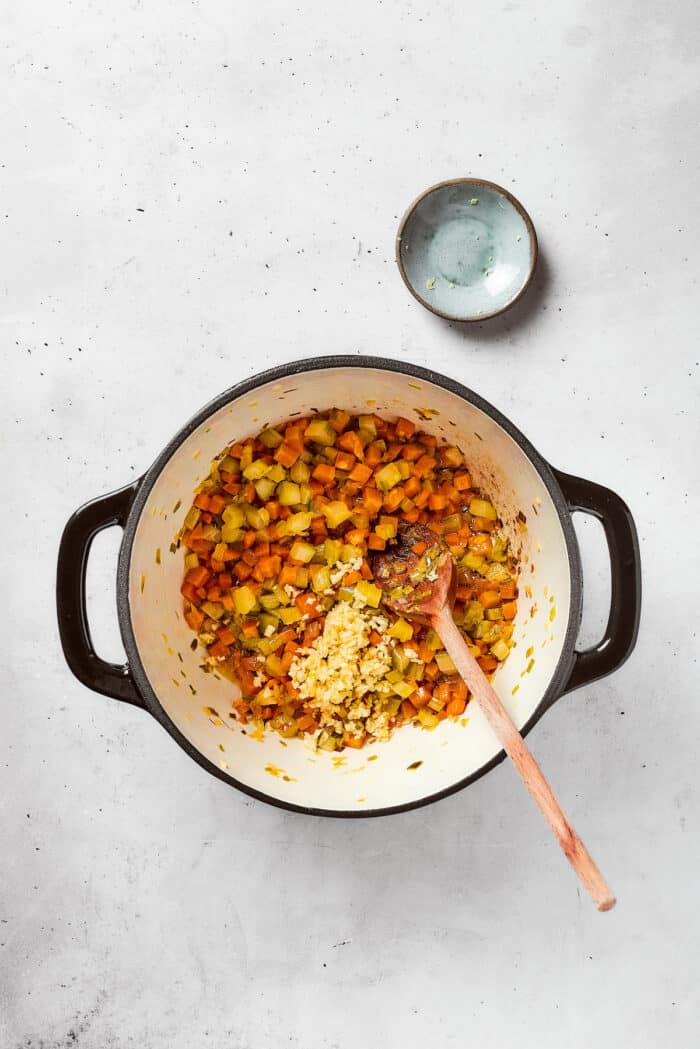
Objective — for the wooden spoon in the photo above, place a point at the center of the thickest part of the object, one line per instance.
(422, 585)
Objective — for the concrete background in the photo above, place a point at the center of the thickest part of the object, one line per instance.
(194, 191)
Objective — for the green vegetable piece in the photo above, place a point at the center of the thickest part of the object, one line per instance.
(370, 594)
(401, 630)
(320, 431)
(388, 477)
(234, 514)
(433, 641)
(445, 663)
(300, 472)
(299, 523)
(335, 513)
(268, 601)
(256, 470)
(271, 438)
(404, 688)
(193, 515)
(368, 427)
(289, 615)
(301, 551)
(483, 508)
(231, 533)
(288, 493)
(428, 719)
(331, 550)
(212, 610)
(500, 650)
(264, 488)
(244, 600)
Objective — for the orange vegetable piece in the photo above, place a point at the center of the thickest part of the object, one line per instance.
(489, 598)
(405, 429)
(456, 707)
(360, 473)
(287, 454)
(509, 609)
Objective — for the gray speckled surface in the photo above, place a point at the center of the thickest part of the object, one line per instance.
(190, 194)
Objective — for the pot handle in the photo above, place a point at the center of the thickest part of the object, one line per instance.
(621, 631)
(110, 679)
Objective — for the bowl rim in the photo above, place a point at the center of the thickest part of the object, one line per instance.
(557, 682)
(532, 236)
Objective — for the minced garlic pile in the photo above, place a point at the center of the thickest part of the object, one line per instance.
(343, 675)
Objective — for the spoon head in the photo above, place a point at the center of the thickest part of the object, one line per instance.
(417, 575)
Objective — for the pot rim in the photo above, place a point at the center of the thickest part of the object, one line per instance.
(311, 364)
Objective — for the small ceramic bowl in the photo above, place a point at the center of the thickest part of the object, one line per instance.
(466, 249)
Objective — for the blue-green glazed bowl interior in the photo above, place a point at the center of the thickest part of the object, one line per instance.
(467, 249)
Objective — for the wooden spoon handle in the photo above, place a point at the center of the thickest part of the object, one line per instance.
(514, 745)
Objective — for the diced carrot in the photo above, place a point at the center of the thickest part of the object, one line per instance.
(405, 429)
(437, 501)
(218, 650)
(424, 465)
(360, 473)
(411, 515)
(202, 501)
(365, 571)
(344, 461)
(462, 481)
(287, 454)
(393, 499)
(325, 473)
(432, 670)
(411, 452)
(456, 707)
(509, 609)
(350, 442)
(308, 605)
(375, 638)
(507, 590)
(356, 536)
(189, 591)
(227, 602)
(198, 576)
(408, 710)
(490, 599)
(306, 723)
(356, 742)
(373, 454)
(194, 617)
(419, 548)
(372, 500)
(480, 544)
(352, 577)
(217, 503)
(288, 575)
(249, 628)
(422, 696)
(375, 542)
(242, 571)
(487, 663)
(225, 635)
(412, 487)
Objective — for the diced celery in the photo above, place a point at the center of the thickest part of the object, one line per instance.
(289, 615)
(427, 718)
(265, 621)
(368, 427)
(369, 593)
(499, 547)
(360, 519)
(231, 533)
(404, 688)
(452, 523)
(388, 477)
(288, 493)
(348, 552)
(191, 519)
(320, 431)
(400, 660)
(246, 455)
(387, 528)
(483, 508)
(268, 601)
(299, 523)
(346, 593)
(433, 641)
(335, 513)
(191, 561)
(268, 644)
(300, 472)
(321, 580)
(264, 487)
(273, 665)
(233, 514)
(212, 610)
(277, 473)
(500, 650)
(494, 614)
(256, 470)
(230, 465)
(301, 551)
(286, 726)
(331, 550)
(394, 676)
(473, 614)
(257, 518)
(305, 494)
(452, 456)
(497, 573)
(282, 596)
(302, 577)
(473, 561)
(404, 469)
(244, 600)
(445, 663)
(401, 630)
(271, 438)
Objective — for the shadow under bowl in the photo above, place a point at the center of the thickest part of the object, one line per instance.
(466, 249)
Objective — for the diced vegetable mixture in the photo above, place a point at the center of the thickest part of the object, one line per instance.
(279, 587)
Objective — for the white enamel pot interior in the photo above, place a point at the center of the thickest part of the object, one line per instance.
(165, 675)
